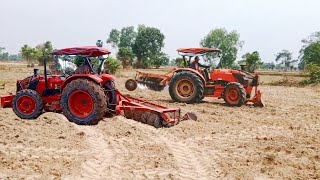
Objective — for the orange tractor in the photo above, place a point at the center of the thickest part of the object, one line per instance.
(85, 97)
(190, 85)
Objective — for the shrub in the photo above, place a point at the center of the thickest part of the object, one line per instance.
(313, 74)
(112, 65)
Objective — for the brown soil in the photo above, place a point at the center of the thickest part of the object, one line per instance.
(279, 141)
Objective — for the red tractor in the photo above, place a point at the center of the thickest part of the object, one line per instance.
(190, 85)
(84, 97)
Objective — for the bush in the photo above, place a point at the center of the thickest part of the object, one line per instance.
(313, 74)
(112, 65)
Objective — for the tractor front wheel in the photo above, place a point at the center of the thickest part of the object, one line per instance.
(234, 94)
(83, 102)
(27, 104)
(186, 87)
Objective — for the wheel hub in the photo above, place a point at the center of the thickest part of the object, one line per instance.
(185, 88)
(81, 104)
(26, 105)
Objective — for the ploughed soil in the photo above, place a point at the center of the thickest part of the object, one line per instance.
(279, 141)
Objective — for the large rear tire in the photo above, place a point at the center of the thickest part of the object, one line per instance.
(83, 102)
(234, 94)
(27, 104)
(186, 87)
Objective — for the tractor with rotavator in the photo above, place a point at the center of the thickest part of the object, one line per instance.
(190, 85)
(84, 97)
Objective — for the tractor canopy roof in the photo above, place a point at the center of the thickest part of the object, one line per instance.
(91, 51)
(197, 51)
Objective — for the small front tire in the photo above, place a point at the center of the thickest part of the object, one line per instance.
(27, 104)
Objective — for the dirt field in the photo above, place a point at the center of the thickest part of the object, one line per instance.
(279, 141)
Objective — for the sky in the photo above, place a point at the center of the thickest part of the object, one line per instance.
(264, 26)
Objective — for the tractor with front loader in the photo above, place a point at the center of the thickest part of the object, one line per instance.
(190, 85)
(84, 97)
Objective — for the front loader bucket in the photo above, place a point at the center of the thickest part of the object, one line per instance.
(257, 100)
(6, 101)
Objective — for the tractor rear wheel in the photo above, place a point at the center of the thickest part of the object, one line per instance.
(83, 102)
(27, 104)
(186, 87)
(234, 94)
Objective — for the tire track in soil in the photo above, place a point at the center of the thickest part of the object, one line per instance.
(98, 164)
(190, 163)
(100, 159)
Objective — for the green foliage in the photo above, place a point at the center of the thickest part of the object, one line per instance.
(127, 37)
(228, 42)
(268, 66)
(114, 38)
(145, 44)
(179, 62)
(285, 59)
(160, 59)
(253, 61)
(28, 53)
(3, 55)
(78, 60)
(44, 49)
(310, 51)
(148, 44)
(112, 65)
(311, 54)
(126, 56)
(313, 74)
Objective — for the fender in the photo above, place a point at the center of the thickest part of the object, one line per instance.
(106, 78)
(191, 70)
(91, 77)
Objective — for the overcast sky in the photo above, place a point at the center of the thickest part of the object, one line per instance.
(267, 26)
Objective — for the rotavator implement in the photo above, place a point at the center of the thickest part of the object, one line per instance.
(190, 85)
(86, 96)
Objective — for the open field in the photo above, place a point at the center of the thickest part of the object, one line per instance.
(279, 141)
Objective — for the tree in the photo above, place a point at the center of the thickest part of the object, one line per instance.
(310, 51)
(268, 66)
(311, 54)
(253, 61)
(2, 49)
(160, 59)
(126, 56)
(228, 42)
(148, 43)
(179, 62)
(28, 54)
(112, 65)
(127, 37)
(285, 59)
(114, 38)
(44, 49)
(3, 55)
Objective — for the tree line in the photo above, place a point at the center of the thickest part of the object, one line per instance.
(141, 47)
